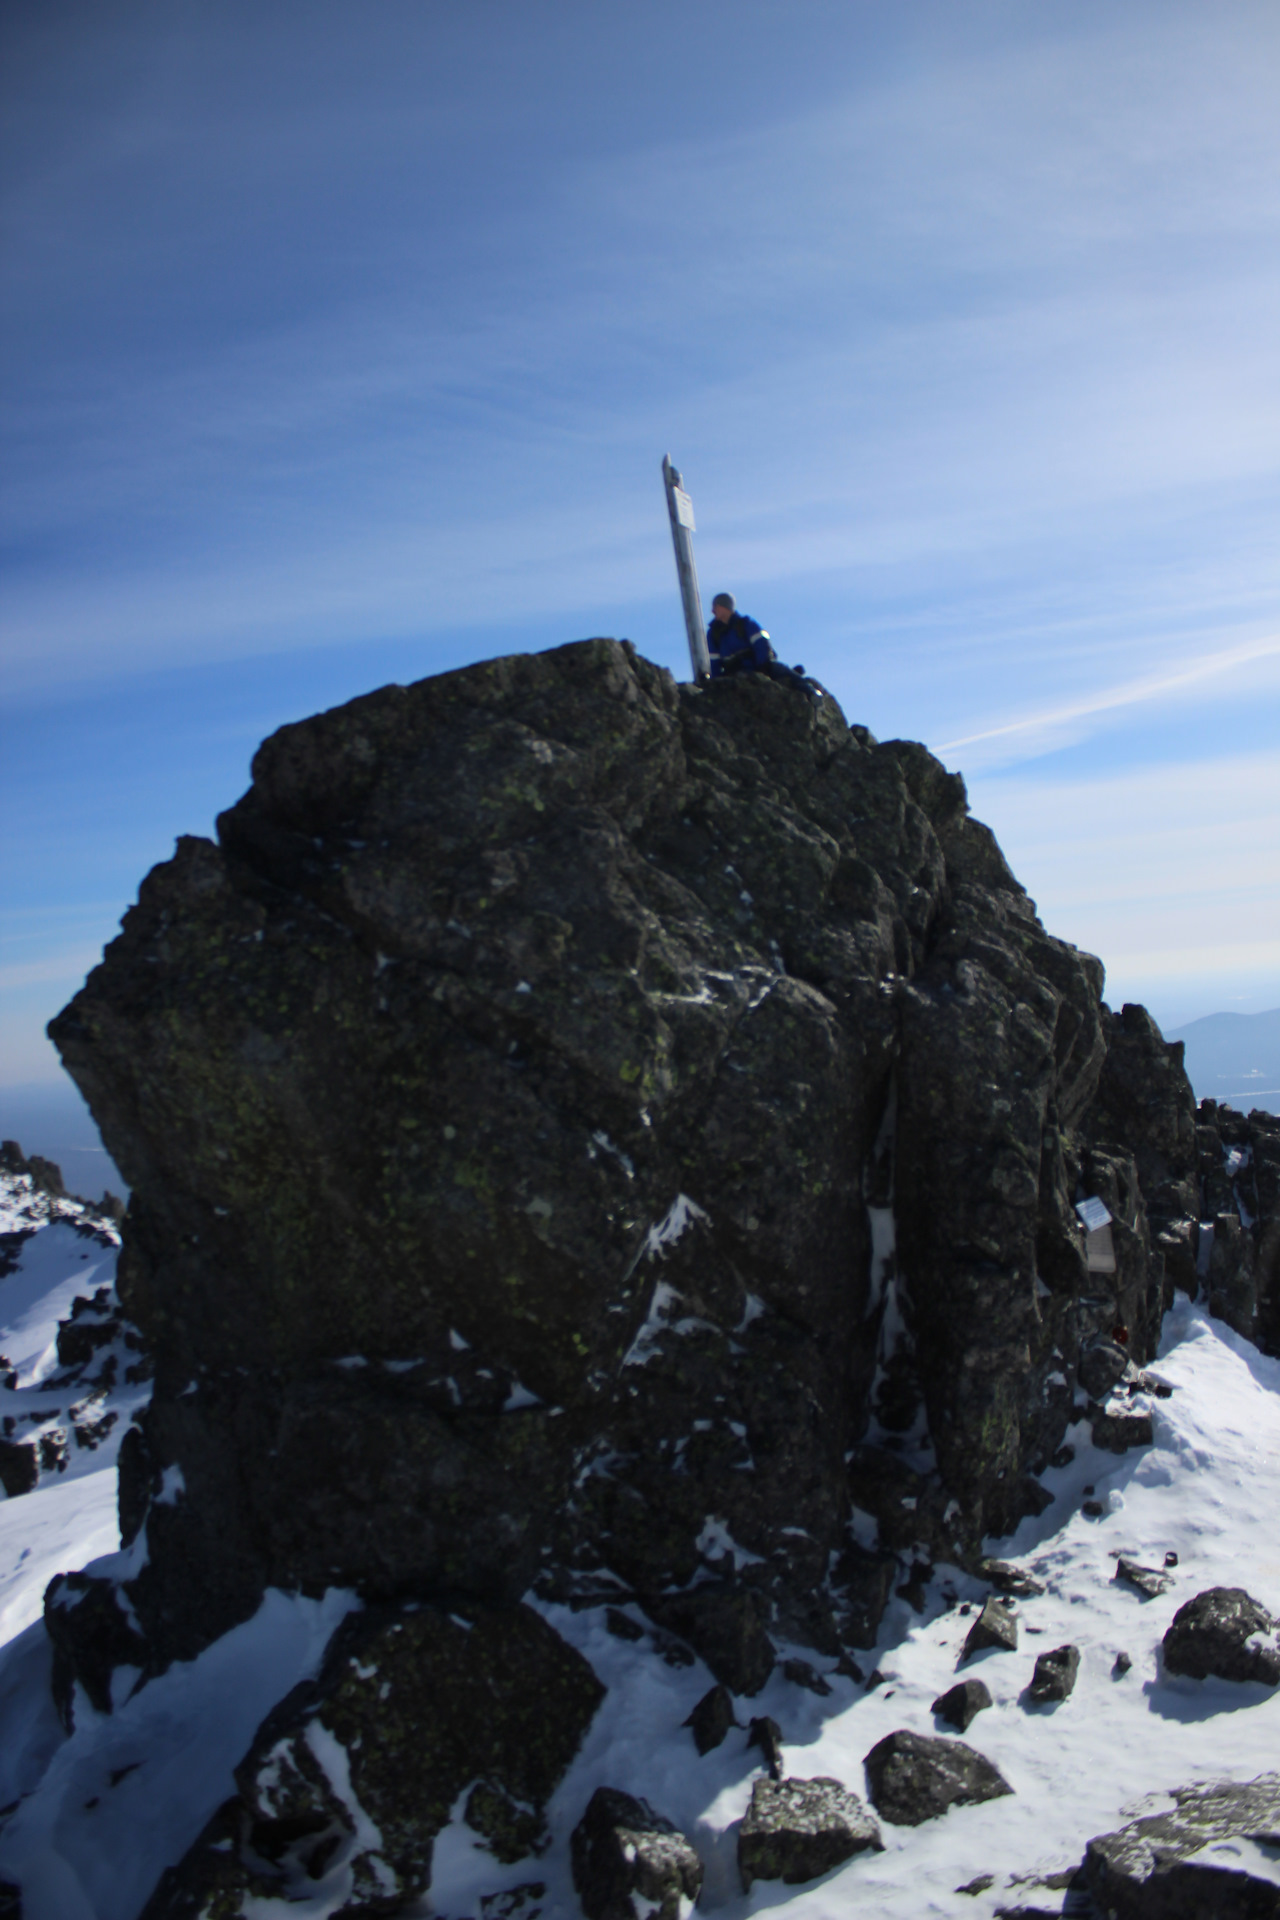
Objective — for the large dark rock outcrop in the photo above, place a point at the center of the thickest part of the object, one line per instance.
(514, 1099)
(1214, 1854)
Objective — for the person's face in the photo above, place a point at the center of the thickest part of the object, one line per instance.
(722, 613)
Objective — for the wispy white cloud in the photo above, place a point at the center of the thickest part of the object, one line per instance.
(1179, 678)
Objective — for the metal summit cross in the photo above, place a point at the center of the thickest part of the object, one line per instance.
(680, 507)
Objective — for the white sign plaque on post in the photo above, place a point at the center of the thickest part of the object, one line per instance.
(1099, 1247)
(680, 509)
(1093, 1213)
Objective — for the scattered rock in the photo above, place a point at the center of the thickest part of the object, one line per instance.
(1063, 1456)
(92, 1324)
(1117, 1429)
(1151, 1581)
(515, 1903)
(912, 1778)
(712, 1718)
(1010, 1580)
(1092, 1509)
(726, 1627)
(962, 1704)
(18, 1469)
(1103, 1365)
(629, 1863)
(1226, 1633)
(801, 1674)
(673, 1650)
(1055, 1675)
(1120, 1666)
(795, 1830)
(983, 1884)
(861, 1585)
(766, 1734)
(621, 1625)
(1212, 1856)
(995, 1627)
(87, 1621)
(915, 1593)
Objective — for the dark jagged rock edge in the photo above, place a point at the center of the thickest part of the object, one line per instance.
(506, 1099)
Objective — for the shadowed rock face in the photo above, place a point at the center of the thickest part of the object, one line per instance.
(508, 1098)
(1239, 1159)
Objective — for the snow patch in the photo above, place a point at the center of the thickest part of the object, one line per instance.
(172, 1483)
(682, 1214)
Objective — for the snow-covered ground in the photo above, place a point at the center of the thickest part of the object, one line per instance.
(88, 1822)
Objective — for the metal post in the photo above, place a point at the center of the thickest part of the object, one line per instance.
(680, 507)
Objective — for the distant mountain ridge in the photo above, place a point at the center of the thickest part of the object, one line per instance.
(1234, 1056)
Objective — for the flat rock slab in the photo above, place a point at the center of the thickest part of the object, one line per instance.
(795, 1830)
(1010, 1580)
(912, 1778)
(1055, 1675)
(629, 1863)
(1216, 1854)
(995, 1626)
(1151, 1581)
(1117, 1429)
(1226, 1633)
(961, 1704)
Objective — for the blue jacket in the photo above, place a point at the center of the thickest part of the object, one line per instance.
(728, 641)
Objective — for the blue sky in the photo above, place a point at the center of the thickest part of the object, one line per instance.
(342, 344)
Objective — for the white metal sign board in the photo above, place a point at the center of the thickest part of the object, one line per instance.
(1093, 1213)
(684, 508)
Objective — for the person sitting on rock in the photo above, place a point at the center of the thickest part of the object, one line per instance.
(738, 644)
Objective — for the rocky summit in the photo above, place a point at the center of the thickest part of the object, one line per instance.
(517, 1102)
(589, 1135)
